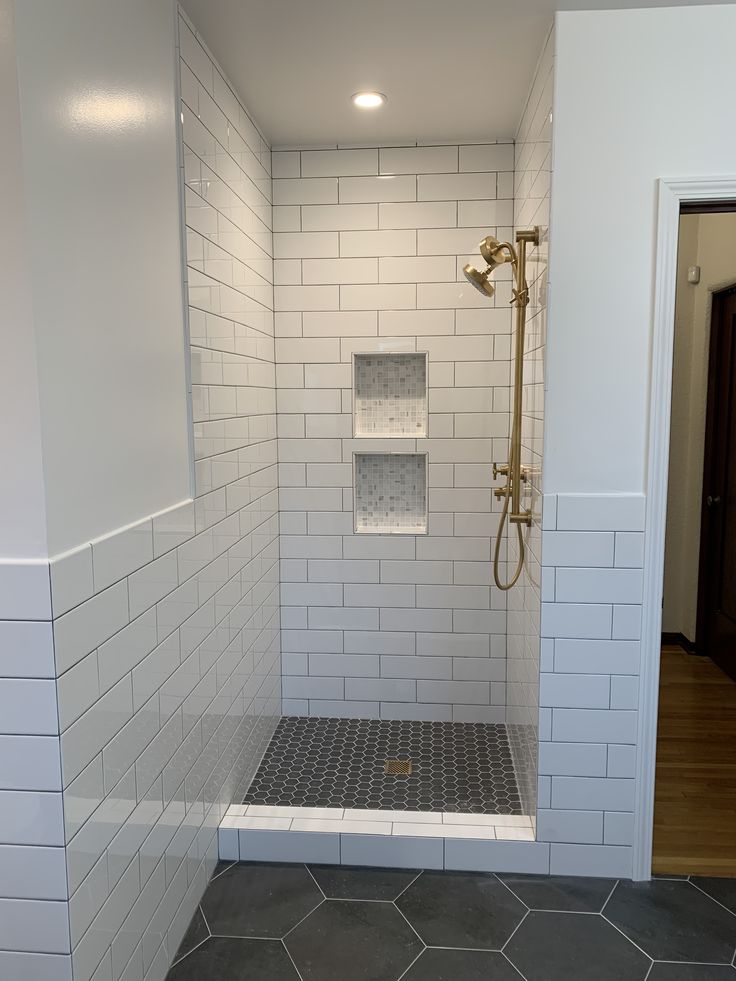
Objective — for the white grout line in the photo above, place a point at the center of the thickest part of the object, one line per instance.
(632, 942)
(288, 954)
(696, 886)
(508, 941)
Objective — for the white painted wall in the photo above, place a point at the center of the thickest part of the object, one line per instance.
(708, 241)
(97, 104)
(615, 132)
(22, 510)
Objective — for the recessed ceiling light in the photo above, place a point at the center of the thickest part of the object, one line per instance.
(368, 100)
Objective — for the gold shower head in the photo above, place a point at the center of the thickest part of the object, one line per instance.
(479, 279)
(492, 251)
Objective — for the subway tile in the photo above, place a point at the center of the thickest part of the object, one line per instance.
(419, 160)
(626, 622)
(599, 656)
(173, 527)
(289, 846)
(31, 818)
(305, 245)
(71, 579)
(579, 827)
(358, 190)
(32, 872)
(574, 690)
(574, 759)
(378, 297)
(621, 761)
(600, 512)
(77, 689)
(576, 620)
(573, 548)
(84, 739)
(28, 706)
(84, 628)
(424, 214)
(300, 191)
(606, 861)
(286, 164)
(30, 763)
(629, 549)
(27, 966)
(289, 298)
(410, 269)
(401, 851)
(341, 217)
(618, 828)
(411, 711)
(121, 553)
(30, 924)
(25, 590)
(415, 667)
(339, 163)
(594, 725)
(378, 243)
(465, 186)
(497, 856)
(26, 649)
(486, 157)
(340, 271)
(598, 586)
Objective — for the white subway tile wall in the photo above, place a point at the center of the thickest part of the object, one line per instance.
(589, 681)
(533, 161)
(369, 245)
(164, 640)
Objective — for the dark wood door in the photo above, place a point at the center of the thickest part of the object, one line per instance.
(717, 581)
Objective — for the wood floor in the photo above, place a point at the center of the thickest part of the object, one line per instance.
(695, 795)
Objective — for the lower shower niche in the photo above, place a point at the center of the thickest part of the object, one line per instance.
(390, 493)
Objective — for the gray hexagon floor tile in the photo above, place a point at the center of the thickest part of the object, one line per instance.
(231, 959)
(323, 762)
(672, 920)
(462, 909)
(250, 900)
(722, 890)
(461, 965)
(691, 972)
(563, 946)
(359, 941)
(560, 893)
(348, 882)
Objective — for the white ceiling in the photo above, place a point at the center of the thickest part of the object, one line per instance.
(452, 69)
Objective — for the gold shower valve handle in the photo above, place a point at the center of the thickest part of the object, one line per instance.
(500, 470)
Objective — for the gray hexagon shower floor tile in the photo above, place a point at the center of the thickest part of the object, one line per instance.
(321, 762)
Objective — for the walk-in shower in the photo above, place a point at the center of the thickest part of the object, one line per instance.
(402, 770)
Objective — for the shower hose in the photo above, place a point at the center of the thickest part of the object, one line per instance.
(497, 551)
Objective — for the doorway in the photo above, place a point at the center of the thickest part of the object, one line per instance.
(695, 786)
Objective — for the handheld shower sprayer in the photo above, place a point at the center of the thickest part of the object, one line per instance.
(495, 254)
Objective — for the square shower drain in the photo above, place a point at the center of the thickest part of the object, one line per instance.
(398, 768)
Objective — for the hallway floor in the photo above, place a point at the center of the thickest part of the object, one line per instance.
(460, 767)
(695, 791)
(325, 923)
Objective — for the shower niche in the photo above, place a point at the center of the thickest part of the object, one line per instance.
(390, 395)
(390, 493)
(390, 402)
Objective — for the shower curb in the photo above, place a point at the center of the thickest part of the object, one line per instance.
(329, 840)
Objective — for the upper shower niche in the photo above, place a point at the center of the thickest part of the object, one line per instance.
(390, 393)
